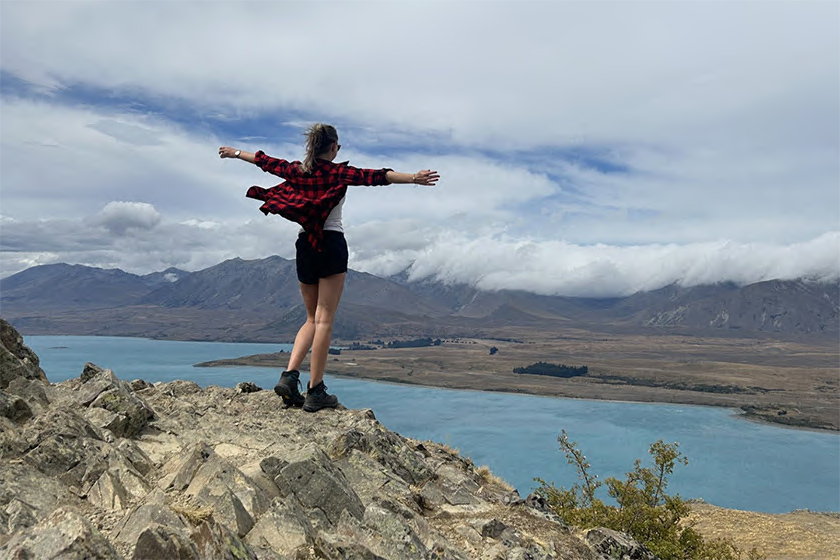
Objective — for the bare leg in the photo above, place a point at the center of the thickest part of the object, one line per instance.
(329, 294)
(303, 340)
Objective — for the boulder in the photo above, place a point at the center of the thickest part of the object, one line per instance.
(317, 484)
(16, 359)
(160, 542)
(284, 529)
(66, 534)
(101, 389)
(14, 408)
(614, 545)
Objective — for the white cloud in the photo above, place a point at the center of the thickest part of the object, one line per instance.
(120, 217)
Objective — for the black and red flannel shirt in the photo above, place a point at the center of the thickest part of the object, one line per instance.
(308, 198)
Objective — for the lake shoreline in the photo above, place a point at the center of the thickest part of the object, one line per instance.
(534, 385)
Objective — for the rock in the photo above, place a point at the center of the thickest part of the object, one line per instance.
(618, 546)
(16, 359)
(316, 483)
(161, 542)
(14, 408)
(31, 390)
(101, 389)
(490, 528)
(184, 467)
(19, 515)
(211, 474)
(141, 517)
(247, 387)
(284, 529)
(66, 534)
(217, 542)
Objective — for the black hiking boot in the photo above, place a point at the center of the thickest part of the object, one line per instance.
(287, 388)
(317, 398)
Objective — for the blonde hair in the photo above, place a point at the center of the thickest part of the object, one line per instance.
(319, 136)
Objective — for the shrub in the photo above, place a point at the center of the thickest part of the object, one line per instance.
(642, 507)
(554, 370)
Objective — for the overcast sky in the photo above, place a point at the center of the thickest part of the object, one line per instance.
(585, 148)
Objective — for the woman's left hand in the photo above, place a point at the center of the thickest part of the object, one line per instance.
(426, 177)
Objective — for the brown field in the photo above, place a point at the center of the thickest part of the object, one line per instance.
(799, 535)
(794, 382)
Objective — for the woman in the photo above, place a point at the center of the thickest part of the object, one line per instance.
(313, 196)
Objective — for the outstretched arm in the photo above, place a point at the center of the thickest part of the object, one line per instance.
(425, 177)
(227, 152)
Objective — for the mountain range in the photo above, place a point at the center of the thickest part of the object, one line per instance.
(259, 300)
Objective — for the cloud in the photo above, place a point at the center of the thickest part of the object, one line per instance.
(120, 217)
(488, 261)
(584, 147)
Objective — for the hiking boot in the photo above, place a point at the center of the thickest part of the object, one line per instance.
(317, 398)
(287, 388)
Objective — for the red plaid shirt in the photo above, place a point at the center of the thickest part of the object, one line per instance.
(308, 198)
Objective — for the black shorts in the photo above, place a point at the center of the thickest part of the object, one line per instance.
(313, 265)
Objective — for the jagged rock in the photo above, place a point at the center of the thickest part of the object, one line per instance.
(491, 528)
(119, 486)
(217, 542)
(140, 385)
(19, 515)
(247, 387)
(65, 534)
(391, 535)
(284, 529)
(145, 516)
(65, 445)
(136, 456)
(182, 468)
(101, 389)
(161, 542)
(16, 359)
(317, 484)
(224, 473)
(14, 408)
(31, 390)
(614, 545)
(232, 494)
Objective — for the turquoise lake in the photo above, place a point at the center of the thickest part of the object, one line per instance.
(733, 463)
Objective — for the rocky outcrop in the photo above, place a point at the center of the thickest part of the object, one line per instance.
(97, 467)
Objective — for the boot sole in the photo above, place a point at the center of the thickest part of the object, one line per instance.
(317, 407)
(283, 392)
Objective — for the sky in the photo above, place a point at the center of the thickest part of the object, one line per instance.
(586, 148)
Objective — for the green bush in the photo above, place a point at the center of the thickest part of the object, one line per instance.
(642, 507)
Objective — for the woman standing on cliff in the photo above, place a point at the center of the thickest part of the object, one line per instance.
(313, 196)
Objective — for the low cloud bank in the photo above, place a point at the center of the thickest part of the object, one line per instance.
(561, 268)
(486, 260)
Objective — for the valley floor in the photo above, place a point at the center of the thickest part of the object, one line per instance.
(796, 383)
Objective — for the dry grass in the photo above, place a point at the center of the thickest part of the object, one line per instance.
(194, 515)
(487, 477)
(800, 535)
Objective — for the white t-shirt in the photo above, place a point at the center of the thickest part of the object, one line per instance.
(333, 222)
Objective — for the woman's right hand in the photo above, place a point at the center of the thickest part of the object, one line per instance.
(227, 152)
(426, 177)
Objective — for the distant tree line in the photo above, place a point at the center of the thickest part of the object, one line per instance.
(359, 346)
(554, 370)
(414, 343)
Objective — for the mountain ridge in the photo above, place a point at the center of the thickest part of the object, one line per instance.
(261, 296)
